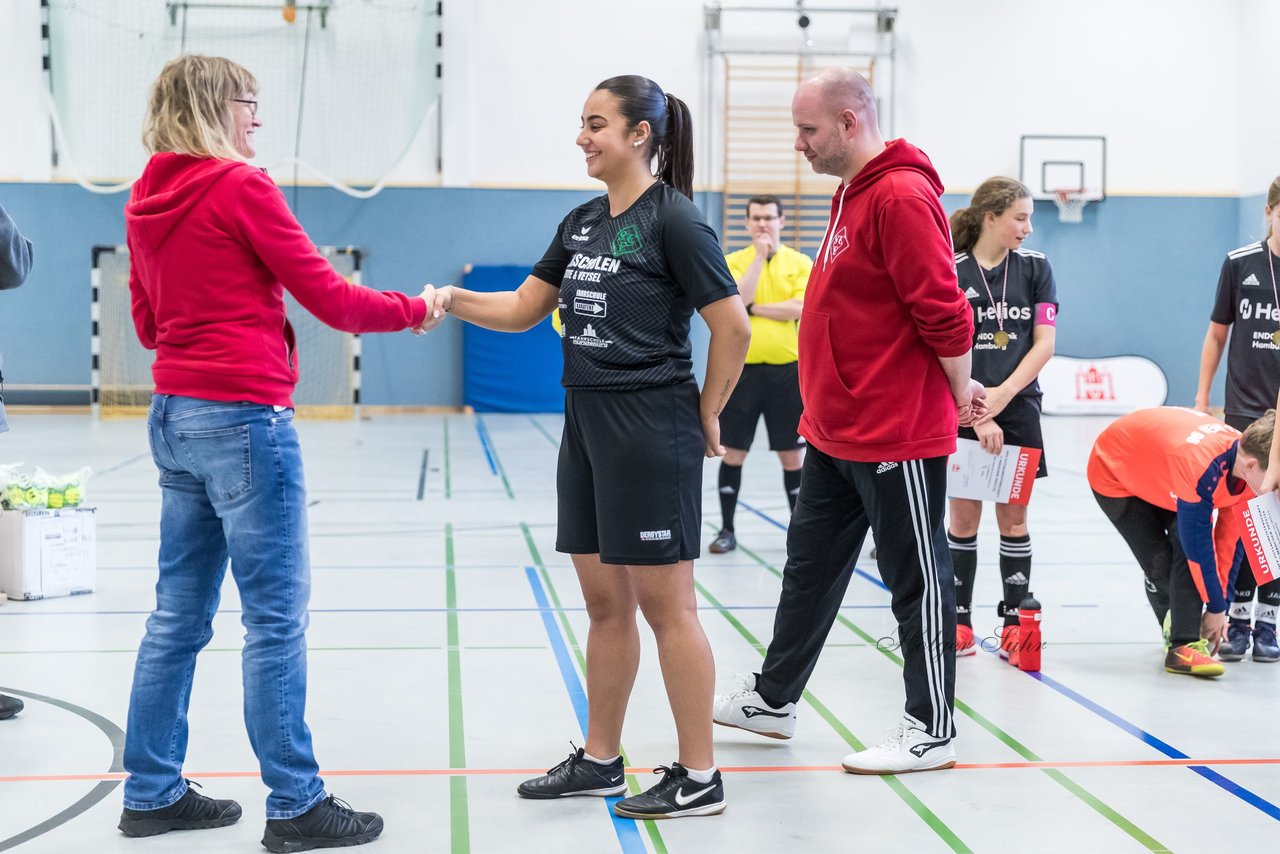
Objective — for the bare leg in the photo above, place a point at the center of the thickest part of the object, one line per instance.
(666, 598)
(613, 651)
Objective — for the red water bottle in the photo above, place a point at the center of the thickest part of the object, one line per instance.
(1029, 633)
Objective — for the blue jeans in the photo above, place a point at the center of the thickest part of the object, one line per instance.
(231, 487)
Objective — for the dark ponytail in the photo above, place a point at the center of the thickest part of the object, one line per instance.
(993, 196)
(675, 157)
(671, 140)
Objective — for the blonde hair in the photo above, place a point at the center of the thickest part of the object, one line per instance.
(1273, 199)
(993, 196)
(189, 110)
(1256, 439)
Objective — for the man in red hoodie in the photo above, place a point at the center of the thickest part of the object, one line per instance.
(884, 374)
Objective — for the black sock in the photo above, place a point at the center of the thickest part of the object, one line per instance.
(730, 483)
(791, 480)
(964, 559)
(1015, 573)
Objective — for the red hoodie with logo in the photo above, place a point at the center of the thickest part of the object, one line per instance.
(212, 248)
(881, 306)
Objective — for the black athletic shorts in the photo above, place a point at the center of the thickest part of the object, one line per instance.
(629, 479)
(1020, 422)
(769, 390)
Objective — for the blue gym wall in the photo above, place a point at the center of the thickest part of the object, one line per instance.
(1137, 276)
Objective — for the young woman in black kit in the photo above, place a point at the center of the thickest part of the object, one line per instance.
(627, 270)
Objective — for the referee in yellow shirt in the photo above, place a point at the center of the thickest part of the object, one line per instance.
(771, 279)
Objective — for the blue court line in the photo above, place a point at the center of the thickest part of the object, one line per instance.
(483, 433)
(1164, 747)
(628, 832)
(1209, 774)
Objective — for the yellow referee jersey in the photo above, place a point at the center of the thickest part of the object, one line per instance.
(784, 277)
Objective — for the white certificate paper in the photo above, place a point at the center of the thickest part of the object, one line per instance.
(1005, 478)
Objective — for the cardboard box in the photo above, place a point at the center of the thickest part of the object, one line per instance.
(47, 553)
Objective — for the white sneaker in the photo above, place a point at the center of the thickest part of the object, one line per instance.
(745, 709)
(903, 750)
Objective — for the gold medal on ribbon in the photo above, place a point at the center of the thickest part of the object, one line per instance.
(1275, 338)
(1002, 339)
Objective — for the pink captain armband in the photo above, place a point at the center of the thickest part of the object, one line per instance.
(1046, 314)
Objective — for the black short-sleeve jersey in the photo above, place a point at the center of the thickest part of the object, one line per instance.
(1246, 302)
(1030, 283)
(628, 287)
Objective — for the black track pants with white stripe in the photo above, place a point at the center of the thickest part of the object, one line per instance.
(903, 505)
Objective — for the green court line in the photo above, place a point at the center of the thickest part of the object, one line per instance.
(448, 480)
(655, 836)
(1140, 836)
(936, 824)
(543, 431)
(459, 823)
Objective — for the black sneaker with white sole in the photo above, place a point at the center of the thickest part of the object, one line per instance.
(577, 775)
(674, 796)
(192, 811)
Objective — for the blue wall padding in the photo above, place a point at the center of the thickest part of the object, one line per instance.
(506, 372)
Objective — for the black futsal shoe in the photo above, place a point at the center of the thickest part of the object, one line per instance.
(192, 811)
(332, 823)
(9, 706)
(674, 796)
(577, 775)
(725, 541)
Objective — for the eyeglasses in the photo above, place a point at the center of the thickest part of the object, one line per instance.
(253, 105)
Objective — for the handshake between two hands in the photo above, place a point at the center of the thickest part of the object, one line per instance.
(439, 301)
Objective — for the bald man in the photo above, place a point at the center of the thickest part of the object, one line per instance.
(884, 375)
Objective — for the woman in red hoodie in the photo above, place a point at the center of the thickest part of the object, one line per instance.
(213, 248)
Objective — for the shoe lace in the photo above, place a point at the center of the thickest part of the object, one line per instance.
(744, 689)
(893, 738)
(341, 806)
(1201, 646)
(670, 777)
(567, 763)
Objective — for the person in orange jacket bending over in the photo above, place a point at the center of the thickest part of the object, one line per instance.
(1159, 474)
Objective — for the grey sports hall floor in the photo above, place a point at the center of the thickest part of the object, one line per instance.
(445, 666)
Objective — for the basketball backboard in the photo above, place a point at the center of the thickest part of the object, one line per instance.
(1049, 164)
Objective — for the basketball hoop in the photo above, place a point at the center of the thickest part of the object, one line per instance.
(1070, 205)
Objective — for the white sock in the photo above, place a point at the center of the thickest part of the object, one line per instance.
(701, 776)
(1266, 613)
(590, 758)
(1241, 610)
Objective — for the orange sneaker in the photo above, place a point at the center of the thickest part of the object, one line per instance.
(964, 641)
(1009, 644)
(1193, 659)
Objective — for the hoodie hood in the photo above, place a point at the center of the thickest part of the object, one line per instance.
(898, 155)
(170, 186)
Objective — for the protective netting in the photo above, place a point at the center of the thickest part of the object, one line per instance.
(327, 359)
(344, 89)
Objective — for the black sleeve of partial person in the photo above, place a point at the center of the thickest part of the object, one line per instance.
(1224, 303)
(15, 253)
(555, 260)
(695, 260)
(1046, 289)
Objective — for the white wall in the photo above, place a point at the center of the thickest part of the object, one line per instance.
(24, 129)
(1259, 62)
(1177, 86)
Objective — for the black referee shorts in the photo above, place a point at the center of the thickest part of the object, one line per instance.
(1020, 422)
(769, 390)
(629, 479)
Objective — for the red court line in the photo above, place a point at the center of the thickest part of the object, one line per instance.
(727, 769)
